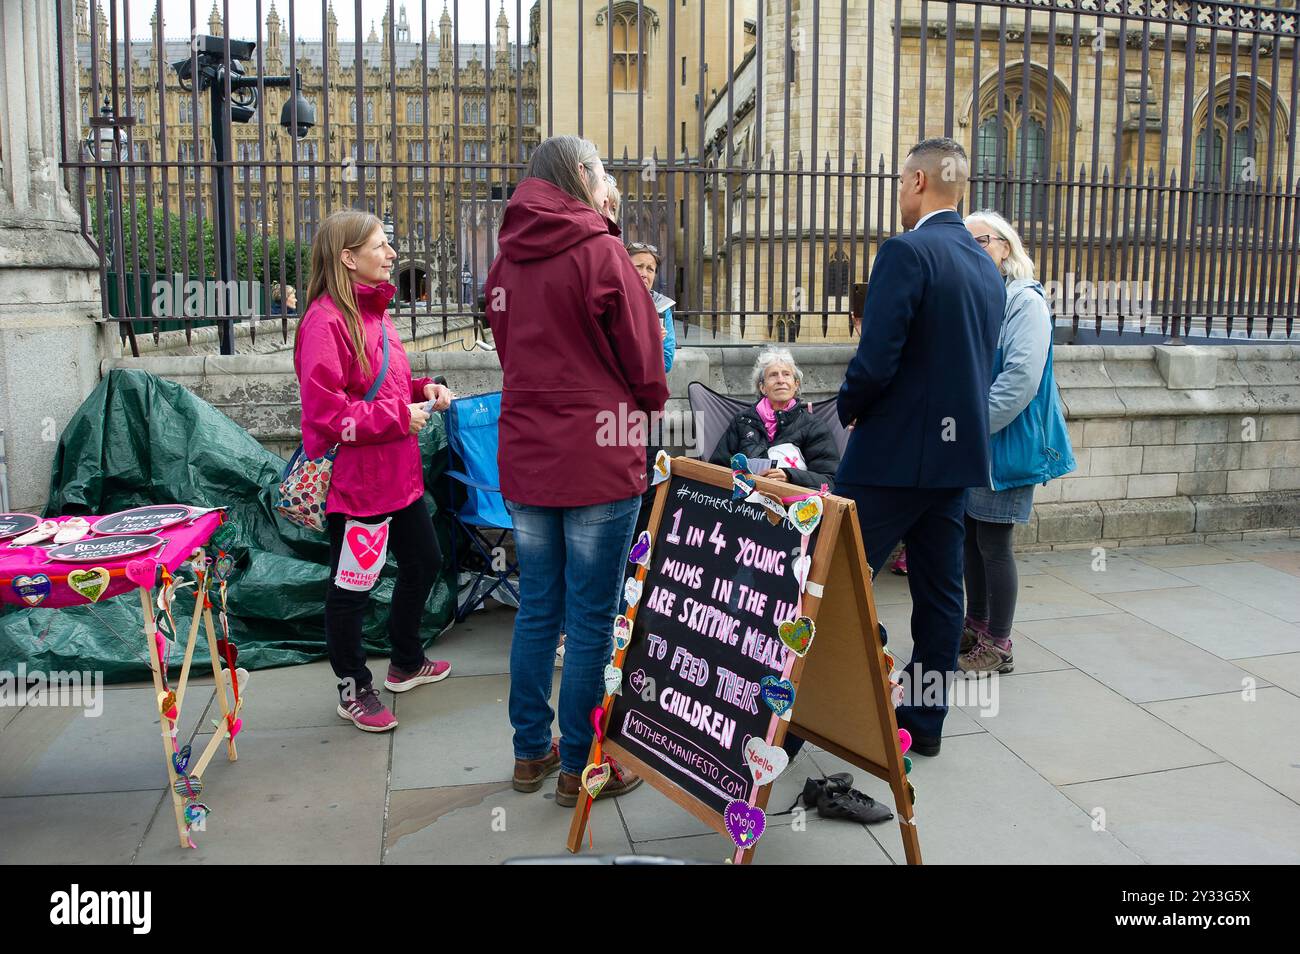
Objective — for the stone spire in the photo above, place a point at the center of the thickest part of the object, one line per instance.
(503, 31)
(214, 21)
(274, 51)
(373, 37)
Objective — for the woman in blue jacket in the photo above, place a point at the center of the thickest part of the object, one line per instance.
(1028, 446)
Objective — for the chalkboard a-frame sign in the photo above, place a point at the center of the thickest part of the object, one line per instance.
(720, 579)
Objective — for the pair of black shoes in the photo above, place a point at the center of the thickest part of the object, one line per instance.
(835, 797)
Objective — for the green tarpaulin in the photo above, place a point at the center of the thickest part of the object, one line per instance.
(139, 439)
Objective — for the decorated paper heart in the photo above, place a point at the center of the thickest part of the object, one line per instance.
(142, 572)
(167, 705)
(806, 514)
(745, 823)
(739, 462)
(622, 632)
(632, 591)
(797, 634)
(235, 726)
(889, 660)
(637, 680)
(778, 694)
(224, 536)
(367, 546)
(640, 552)
(742, 485)
(196, 812)
(765, 761)
(613, 681)
(907, 765)
(800, 569)
(896, 693)
(228, 651)
(904, 740)
(663, 468)
(32, 589)
(240, 679)
(597, 718)
(224, 566)
(89, 583)
(775, 512)
(595, 776)
(188, 786)
(181, 759)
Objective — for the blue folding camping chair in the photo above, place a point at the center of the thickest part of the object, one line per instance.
(472, 436)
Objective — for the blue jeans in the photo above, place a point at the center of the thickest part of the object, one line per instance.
(572, 563)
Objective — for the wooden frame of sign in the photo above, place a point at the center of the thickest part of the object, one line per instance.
(842, 687)
(202, 613)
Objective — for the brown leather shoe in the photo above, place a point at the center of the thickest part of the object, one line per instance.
(621, 781)
(530, 773)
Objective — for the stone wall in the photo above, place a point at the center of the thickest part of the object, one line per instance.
(1174, 445)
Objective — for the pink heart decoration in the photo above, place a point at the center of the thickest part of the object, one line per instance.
(235, 726)
(142, 572)
(904, 740)
(367, 547)
(745, 823)
(597, 714)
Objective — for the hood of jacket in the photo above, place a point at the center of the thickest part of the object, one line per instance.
(542, 220)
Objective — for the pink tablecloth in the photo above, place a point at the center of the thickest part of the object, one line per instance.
(33, 563)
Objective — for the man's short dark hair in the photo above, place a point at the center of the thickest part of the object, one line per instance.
(943, 152)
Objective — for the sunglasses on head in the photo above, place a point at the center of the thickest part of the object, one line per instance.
(634, 247)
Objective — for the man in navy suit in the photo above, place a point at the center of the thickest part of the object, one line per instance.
(916, 396)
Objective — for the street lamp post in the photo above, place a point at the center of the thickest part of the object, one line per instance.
(211, 68)
(106, 145)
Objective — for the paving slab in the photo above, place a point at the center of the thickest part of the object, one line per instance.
(99, 829)
(1117, 574)
(489, 823)
(1263, 588)
(1140, 661)
(1212, 621)
(295, 796)
(455, 732)
(1022, 818)
(1048, 597)
(56, 750)
(480, 646)
(1070, 728)
(832, 843)
(1205, 815)
(1179, 554)
(1282, 670)
(1258, 736)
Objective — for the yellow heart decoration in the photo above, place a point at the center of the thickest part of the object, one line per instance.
(92, 583)
(595, 777)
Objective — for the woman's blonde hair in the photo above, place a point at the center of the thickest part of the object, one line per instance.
(345, 229)
(615, 197)
(1017, 264)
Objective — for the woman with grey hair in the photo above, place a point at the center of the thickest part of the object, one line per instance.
(577, 338)
(1028, 446)
(779, 430)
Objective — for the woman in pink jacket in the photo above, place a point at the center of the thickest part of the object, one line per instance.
(344, 344)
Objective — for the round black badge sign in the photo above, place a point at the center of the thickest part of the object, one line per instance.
(14, 524)
(142, 519)
(96, 549)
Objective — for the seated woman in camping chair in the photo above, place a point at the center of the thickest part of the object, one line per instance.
(780, 429)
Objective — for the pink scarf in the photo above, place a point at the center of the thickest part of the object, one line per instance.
(767, 414)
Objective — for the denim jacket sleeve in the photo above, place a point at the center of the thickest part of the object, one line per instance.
(1026, 334)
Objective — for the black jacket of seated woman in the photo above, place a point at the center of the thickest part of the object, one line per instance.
(777, 380)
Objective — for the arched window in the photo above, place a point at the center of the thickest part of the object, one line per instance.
(626, 54)
(1012, 158)
(414, 111)
(1231, 152)
(837, 274)
(187, 108)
